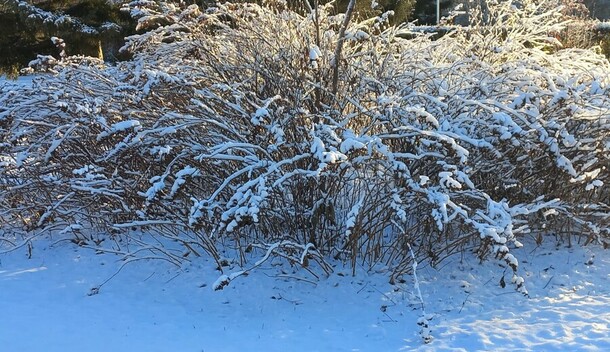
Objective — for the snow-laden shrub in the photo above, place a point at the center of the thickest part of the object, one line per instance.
(227, 128)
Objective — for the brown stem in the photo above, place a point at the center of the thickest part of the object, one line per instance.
(339, 48)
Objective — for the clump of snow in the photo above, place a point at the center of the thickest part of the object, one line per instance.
(315, 55)
(181, 176)
(603, 27)
(119, 127)
(352, 217)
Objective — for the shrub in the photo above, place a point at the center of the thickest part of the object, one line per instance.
(227, 127)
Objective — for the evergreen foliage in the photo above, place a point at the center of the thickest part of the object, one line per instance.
(90, 27)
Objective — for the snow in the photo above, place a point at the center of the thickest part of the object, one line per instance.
(357, 35)
(20, 81)
(603, 26)
(595, 183)
(352, 217)
(54, 302)
(180, 178)
(120, 126)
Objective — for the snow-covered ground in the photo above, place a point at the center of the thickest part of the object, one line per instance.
(19, 80)
(46, 305)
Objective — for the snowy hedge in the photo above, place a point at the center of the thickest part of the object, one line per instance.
(227, 129)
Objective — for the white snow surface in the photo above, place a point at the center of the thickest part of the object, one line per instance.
(151, 306)
(21, 80)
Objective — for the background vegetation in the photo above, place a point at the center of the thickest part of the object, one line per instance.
(91, 27)
(97, 27)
